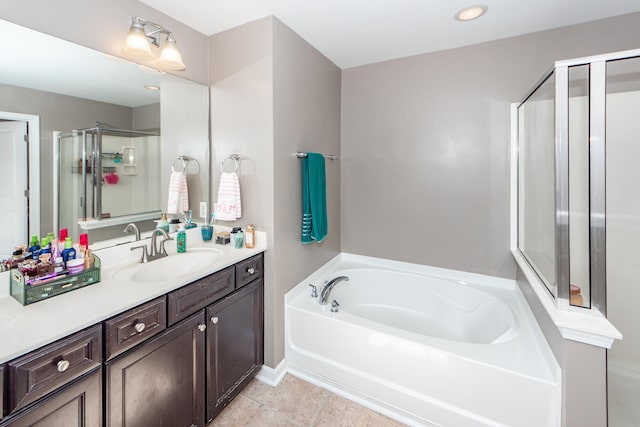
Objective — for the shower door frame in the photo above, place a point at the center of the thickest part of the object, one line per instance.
(573, 325)
(96, 134)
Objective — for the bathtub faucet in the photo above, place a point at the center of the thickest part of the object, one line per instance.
(326, 291)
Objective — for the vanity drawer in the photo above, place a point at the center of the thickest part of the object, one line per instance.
(42, 371)
(134, 326)
(199, 294)
(249, 270)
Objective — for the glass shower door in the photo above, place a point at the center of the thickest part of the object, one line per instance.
(536, 182)
(623, 238)
(75, 189)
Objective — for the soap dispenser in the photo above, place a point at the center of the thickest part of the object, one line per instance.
(181, 240)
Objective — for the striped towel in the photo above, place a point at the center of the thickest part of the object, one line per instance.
(229, 206)
(178, 199)
(314, 199)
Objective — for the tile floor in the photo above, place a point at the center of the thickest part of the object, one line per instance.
(296, 403)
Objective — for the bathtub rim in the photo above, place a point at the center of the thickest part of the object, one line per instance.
(345, 260)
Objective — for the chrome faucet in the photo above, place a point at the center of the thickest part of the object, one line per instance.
(154, 252)
(131, 227)
(328, 287)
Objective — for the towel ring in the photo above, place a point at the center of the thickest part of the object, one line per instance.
(235, 159)
(185, 160)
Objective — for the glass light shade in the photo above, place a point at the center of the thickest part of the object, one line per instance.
(170, 57)
(136, 46)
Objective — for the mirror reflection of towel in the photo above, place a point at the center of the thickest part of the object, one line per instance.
(178, 199)
(229, 206)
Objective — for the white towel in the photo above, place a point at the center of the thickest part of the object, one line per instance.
(229, 207)
(178, 200)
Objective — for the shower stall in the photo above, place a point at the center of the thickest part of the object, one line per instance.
(106, 176)
(578, 209)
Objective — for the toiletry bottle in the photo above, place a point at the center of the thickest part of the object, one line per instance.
(64, 233)
(89, 260)
(84, 242)
(181, 240)
(163, 223)
(45, 246)
(34, 247)
(250, 237)
(69, 252)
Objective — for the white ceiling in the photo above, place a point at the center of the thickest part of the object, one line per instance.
(357, 32)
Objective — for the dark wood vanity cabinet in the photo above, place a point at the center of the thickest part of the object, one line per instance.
(235, 349)
(160, 382)
(175, 361)
(79, 404)
(2, 394)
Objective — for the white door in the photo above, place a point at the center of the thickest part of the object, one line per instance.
(14, 179)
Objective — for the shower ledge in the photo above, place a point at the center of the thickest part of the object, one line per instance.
(575, 324)
(94, 224)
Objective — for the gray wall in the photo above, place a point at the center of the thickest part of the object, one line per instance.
(103, 25)
(425, 145)
(242, 123)
(273, 94)
(58, 113)
(306, 114)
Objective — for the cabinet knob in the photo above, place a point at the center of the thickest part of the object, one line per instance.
(251, 270)
(62, 365)
(214, 319)
(202, 327)
(139, 327)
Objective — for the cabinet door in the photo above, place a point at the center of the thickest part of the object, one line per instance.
(78, 404)
(235, 347)
(160, 382)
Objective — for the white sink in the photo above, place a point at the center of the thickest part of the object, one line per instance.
(171, 267)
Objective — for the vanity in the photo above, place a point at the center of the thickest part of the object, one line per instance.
(142, 347)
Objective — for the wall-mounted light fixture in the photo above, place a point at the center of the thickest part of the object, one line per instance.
(143, 34)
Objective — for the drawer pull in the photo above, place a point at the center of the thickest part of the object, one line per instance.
(62, 365)
(251, 270)
(214, 319)
(139, 327)
(202, 327)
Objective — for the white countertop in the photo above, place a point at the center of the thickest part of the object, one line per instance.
(25, 328)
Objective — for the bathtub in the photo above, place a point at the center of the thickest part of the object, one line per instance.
(423, 345)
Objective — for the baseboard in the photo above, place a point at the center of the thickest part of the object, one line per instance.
(272, 376)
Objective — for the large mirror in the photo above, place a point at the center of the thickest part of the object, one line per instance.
(51, 90)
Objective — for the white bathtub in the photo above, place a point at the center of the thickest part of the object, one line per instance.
(423, 345)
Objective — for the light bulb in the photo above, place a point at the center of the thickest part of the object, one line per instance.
(170, 57)
(136, 46)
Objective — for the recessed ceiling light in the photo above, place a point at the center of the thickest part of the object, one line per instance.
(151, 87)
(470, 13)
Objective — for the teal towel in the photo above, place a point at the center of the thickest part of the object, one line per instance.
(314, 199)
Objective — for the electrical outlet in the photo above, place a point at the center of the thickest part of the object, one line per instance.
(203, 210)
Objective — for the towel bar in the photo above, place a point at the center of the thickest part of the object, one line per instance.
(300, 154)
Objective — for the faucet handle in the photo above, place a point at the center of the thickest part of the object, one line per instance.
(145, 255)
(334, 306)
(314, 290)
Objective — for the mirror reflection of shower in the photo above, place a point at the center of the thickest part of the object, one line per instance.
(105, 173)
